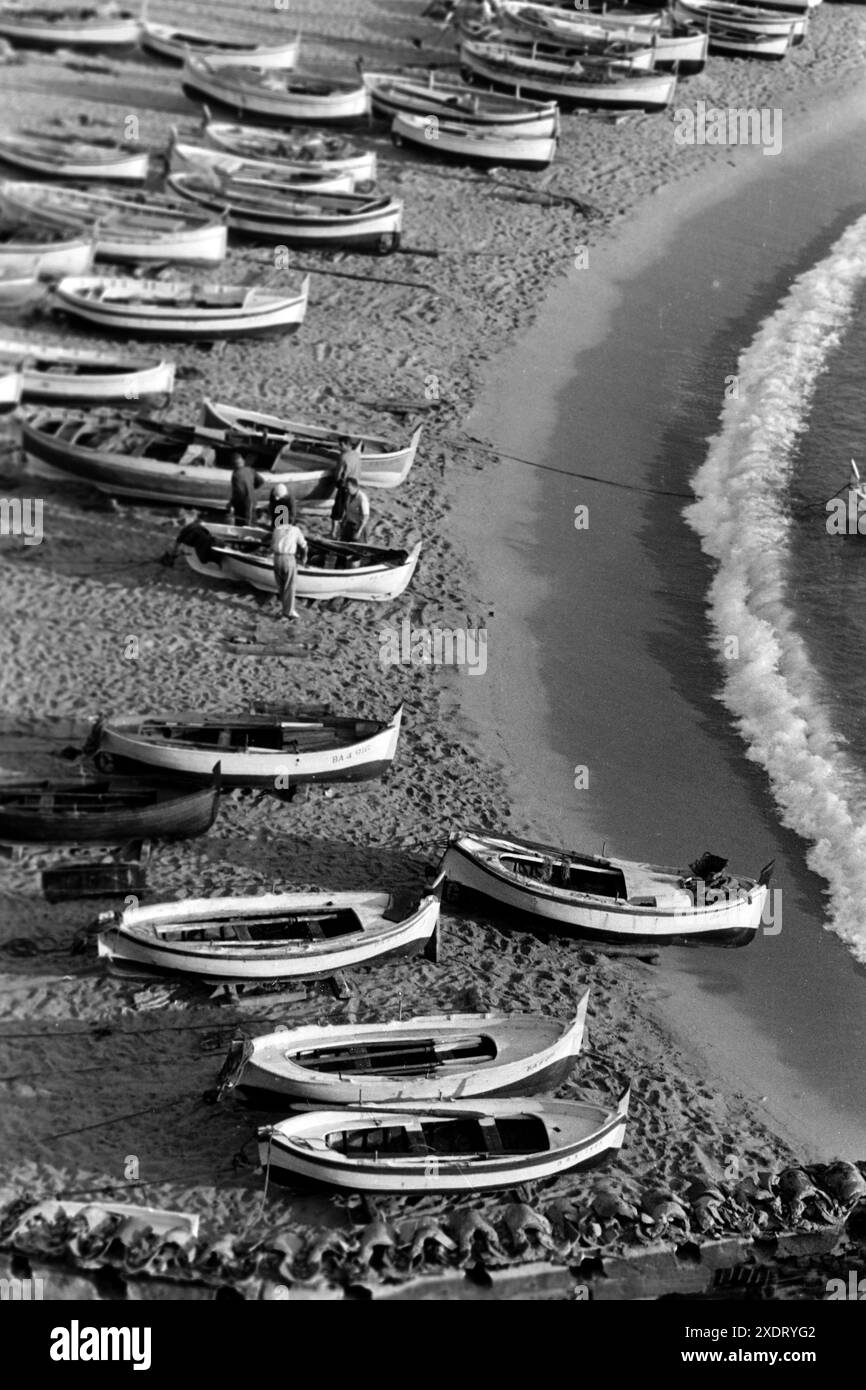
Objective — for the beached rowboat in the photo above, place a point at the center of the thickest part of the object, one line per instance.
(451, 99)
(275, 936)
(266, 750)
(72, 27)
(271, 210)
(382, 464)
(746, 30)
(126, 227)
(556, 56)
(73, 159)
(441, 1057)
(268, 93)
(218, 165)
(449, 1146)
(11, 388)
(577, 82)
(178, 44)
(111, 878)
(48, 256)
(177, 309)
(611, 899)
(672, 43)
(18, 290)
(57, 374)
(189, 466)
(103, 810)
(314, 152)
(470, 144)
(332, 569)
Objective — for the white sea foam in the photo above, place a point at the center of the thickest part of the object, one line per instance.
(771, 687)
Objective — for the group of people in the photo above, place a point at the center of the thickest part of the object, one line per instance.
(350, 516)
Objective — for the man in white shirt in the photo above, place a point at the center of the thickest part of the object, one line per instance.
(288, 544)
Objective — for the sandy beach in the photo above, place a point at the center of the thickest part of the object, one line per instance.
(487, 319)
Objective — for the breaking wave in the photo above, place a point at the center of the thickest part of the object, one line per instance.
(770, 685)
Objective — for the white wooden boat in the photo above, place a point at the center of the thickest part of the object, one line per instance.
(52, 256)
(219, 165)
(16, 290)
(445, 1146)
(89, 1215)
(383, 464)
(178, 309)
(556, 55)
(611, 899)
(265, 750)
(440, 1057)
(127, 227)
(333, 569)
(447, 98)
(79, 26)
(267, 209)
(581, 82)
(745, 30)
(274, 936)
(185, 465)
(57, 374)
(672, 43)
(11, 387)
(471, 145)
(314, 152)
(73, 159)
(178, 44)
(268, 92)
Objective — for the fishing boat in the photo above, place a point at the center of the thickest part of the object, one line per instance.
(177, 44)
(278, 750)
(274, 936)
(744, 30)
(63, 375)
(11, 388)
(556, 54)
(47, 256)
(683, 45)
(219, 165)
(267, 209)
(470, 144)
(280, 95)
(332, 569)
(383, 464)
(313, 152)
(178, 309)
(445, 1146)
(394, 93)
(184, 465)
(584, 81)
(440, 1057)
(111, 878)
(73, 159)
(104, 810)
(127, 227)
(78, 26)
(589, 895)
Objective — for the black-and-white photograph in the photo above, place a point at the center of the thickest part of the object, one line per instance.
(432, 616)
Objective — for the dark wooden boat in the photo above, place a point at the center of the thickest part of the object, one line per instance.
(104, 810)
(114, 878)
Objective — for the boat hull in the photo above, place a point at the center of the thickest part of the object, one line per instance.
(732, 923)
(129, 168)
(374, 583)
(11, 389)
(327, 109)
(40, 383)
(175, 818)
(228, 964)
(644, 91)
(91, 35)
(248, 142)
(471, 148)
(171, 322)
(391, 97)
(171, 43)
(47, 261)
(368, 757)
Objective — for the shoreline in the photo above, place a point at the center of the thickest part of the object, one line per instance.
(518, 409)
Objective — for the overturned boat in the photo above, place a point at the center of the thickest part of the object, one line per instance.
(447, 1146)
(441, 1057)
(589, 895)
(274, 936)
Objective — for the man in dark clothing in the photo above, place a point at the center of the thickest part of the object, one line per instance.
(245, 480)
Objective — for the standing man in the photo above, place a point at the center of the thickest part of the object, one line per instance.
(282, 506)
(356, 513)
(245, 481)
(351, 461)
(288, 544)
